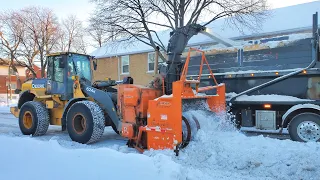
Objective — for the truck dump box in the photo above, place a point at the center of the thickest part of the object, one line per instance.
(242, 70)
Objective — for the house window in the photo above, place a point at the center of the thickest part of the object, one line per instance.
(151, 59)
(124, 64)
(13, 85)
(11, 71)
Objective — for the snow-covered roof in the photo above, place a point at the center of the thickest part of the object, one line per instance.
(281, 20)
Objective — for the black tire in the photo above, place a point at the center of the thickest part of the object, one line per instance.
(85, 122)
(301, 123)
(33, 118)
(186, 132)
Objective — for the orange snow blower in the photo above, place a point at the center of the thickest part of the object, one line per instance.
(164, 114)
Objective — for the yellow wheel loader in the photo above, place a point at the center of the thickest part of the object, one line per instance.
(60, 99)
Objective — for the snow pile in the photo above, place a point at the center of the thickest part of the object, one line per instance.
(38, 159)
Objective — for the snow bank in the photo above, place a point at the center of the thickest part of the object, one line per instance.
(26, 158)
(220, 152)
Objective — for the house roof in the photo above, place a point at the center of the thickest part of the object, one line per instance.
(6, 62)
(281, 20)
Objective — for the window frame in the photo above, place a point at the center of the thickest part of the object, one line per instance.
(122, 64)
(159, 61)
(55, 67)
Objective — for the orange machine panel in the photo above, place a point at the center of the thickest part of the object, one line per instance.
(160, 140)
(127, 130)
(131, 96)
(129, 115)
(146, 95)
(133, 101)
(164, 127)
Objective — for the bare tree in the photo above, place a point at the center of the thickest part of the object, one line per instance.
(72, 35)
(42, 25)
(82, 45)
(27, 52)
(10, 33)
(99, 33)
(140, 19)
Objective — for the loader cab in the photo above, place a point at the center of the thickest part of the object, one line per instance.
(61, 68)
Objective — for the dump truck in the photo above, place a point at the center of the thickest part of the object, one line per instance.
(149, 117)
(272, 90)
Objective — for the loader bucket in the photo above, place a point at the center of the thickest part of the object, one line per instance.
(14, 111)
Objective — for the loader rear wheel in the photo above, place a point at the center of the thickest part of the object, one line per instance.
(33, 118)
(85, 122)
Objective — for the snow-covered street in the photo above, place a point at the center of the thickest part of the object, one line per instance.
(218, 152)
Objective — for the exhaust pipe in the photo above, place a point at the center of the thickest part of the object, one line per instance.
(156, 60)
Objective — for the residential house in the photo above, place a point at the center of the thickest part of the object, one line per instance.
(6, 80)
(118, 59)
(37, 70)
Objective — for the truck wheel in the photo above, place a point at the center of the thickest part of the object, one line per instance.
(33, 118)
(85, 122)
(305, 127)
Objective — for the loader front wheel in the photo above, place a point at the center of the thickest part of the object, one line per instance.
(33, 118)
(85, 122)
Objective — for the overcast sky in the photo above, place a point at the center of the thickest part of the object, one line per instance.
(83, 8)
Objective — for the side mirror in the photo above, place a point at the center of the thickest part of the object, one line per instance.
(94, 65)
(17, 91)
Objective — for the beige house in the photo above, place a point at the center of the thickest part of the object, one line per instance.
(139, 66)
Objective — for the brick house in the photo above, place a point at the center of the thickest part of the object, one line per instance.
(37, 70)
(5, 80)
(116, 60)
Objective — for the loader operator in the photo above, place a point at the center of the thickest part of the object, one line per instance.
(70, 81)
(70, 70)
